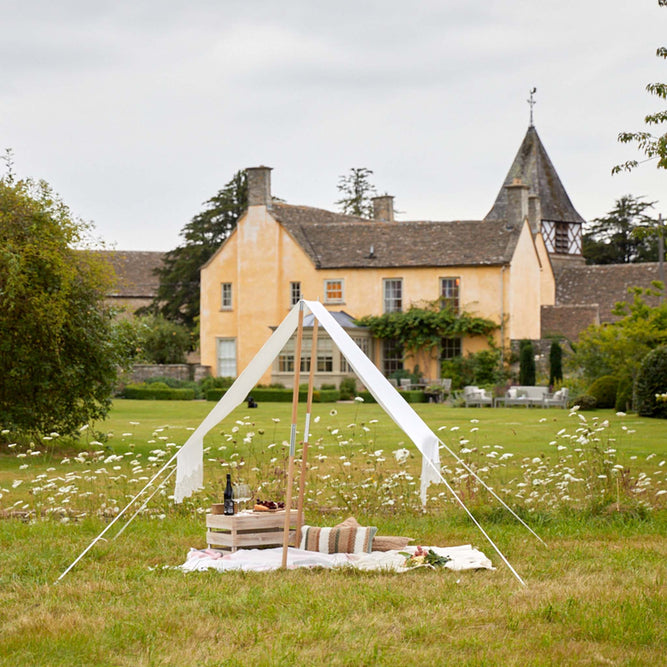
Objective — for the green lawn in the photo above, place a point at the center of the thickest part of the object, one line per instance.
(595, 596)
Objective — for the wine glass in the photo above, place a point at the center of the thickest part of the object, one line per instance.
(242, 493)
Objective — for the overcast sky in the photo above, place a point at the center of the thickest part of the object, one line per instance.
(137, 112)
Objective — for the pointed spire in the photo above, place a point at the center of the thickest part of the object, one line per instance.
(532, 102)
(533, 166)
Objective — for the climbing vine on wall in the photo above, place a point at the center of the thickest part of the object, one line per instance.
(420, 328)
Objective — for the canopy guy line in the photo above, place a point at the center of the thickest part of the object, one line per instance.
(118, 516)
(491, 491)
(131, 519)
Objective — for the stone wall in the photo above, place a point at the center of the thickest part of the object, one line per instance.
(184, 372)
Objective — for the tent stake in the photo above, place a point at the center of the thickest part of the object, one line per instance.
(292, 442)
(306, 436)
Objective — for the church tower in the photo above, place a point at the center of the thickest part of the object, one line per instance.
(550, 210)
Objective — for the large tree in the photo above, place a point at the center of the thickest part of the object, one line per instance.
(58, 360)
(357, 193)
(653, 146)
(178, 294)
(625, 234)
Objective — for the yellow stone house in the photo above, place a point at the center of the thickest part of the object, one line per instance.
(499, 269)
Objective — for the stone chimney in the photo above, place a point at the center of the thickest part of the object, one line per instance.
(383, 208)
(259, 186)
(535, 213)
(517, 202)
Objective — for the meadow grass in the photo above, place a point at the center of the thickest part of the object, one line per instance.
(596, 595)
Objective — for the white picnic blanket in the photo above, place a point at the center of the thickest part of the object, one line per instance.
(463, 557)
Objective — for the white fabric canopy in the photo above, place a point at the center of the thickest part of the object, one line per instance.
(190, 459)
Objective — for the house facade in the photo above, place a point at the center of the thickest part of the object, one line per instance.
(279, 253)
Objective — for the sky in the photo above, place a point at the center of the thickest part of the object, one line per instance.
(137, 112)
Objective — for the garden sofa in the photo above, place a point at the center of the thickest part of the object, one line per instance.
(524, 395)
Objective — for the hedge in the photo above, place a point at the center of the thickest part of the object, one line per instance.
(215, 394)
(409, 396)
(273, 395)
(152, 393)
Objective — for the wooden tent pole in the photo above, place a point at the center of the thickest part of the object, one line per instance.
(292, 443)
(306, 436)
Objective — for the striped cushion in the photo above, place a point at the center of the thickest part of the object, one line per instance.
(341, 539)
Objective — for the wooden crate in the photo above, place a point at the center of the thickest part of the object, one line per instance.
(248, 531)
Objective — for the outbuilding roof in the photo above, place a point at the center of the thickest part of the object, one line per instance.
(135, 272)
(336, 241)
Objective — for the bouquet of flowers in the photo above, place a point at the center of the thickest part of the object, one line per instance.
(424, 557)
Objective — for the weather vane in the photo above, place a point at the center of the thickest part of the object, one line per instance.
(532, 103)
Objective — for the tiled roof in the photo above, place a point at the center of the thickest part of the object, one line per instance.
(134, 271)
(334, 241)
(533, 166)
(603, 284)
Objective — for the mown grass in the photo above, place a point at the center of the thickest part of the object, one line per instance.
(595, 596)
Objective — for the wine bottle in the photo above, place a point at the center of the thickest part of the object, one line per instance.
(229, 497)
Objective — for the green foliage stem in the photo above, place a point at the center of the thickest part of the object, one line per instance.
(423, 328)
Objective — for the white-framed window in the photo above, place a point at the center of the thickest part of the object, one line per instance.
(392, 357)
(226, 352)
(450, 293)
(334, 291)
(294, 293)
(450, 348)
(364, 344)
(393, 294)
(225, 296)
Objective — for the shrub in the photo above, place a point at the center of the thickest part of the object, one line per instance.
(555, 363)
(624, 395)
(409, 396)
(278, 395)
(214, 394)
(211, 382)
(348, 389)
(157, 391)
(328, 386)
(604, 390)
(526, 364)
(585, 402)
(174, 383)
(651, 382)
(327, 395)
(478, 368)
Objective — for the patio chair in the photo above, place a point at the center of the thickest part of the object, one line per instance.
(474, 396)
(556, 400)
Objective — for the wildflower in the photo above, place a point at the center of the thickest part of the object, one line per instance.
(402, 455)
